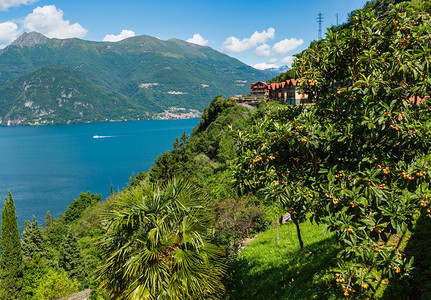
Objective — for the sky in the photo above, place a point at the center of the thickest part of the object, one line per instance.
(261, 34)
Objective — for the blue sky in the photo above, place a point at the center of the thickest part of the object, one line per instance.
(259, 33)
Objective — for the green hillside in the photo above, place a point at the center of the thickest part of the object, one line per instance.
(155, 74)
(323, 201)
(58, 94)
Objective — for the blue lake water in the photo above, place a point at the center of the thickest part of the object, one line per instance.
(46, 167)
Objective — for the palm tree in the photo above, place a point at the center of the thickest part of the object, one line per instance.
(155, 245)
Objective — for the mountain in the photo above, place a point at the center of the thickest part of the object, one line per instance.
(151, 74)
(278, 70)
(57, 94)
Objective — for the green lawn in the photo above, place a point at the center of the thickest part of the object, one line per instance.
(265, 270)
(419, 285)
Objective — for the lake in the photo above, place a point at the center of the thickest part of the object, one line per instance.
(46, 167)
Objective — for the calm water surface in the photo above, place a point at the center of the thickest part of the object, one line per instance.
(46, 167)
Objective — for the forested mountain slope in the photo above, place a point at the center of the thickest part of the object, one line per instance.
(152, 73)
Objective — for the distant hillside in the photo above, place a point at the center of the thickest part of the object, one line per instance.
(57, 94)
(154, 74)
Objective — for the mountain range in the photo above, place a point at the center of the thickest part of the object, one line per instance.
(47, 80)
(278, 70)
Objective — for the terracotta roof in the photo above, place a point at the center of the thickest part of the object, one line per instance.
(259, 82)
(281, 85)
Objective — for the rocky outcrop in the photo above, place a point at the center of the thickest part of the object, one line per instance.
(30, 39)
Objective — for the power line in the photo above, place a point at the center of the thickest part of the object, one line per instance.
(346, 9)
(320, 21)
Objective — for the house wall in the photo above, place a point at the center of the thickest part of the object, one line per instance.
(284, 92)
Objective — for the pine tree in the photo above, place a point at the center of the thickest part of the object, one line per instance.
(71, 259)
(32, 240)
(11, 260)
(48, 220)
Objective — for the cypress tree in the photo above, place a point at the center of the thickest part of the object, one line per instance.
(71, 259)
(11, 260)
(48, 220)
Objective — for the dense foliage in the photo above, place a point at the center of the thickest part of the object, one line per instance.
(34, 272)
(70, 259)
(55, 285)
(32, 240)
(212, 112)
(85, 200)
(156, 245)
(358, 159)
(11, 259)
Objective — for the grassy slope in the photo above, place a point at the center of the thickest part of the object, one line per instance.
(419, 285)
(265, 270)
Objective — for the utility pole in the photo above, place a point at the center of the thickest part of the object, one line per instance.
(320, 21)
(337, 18)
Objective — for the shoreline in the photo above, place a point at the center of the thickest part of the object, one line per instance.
(105, 121)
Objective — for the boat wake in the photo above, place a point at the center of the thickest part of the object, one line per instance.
(102, 136)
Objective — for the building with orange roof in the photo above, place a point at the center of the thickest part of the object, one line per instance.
(259, 89)
(286, 92)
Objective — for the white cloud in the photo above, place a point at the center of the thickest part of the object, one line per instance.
(5, 4)
(115, 38)
(272, 60)
(49, 21)
(263, 50)
(288, 60)
(263, 66)
(286, 45)
(8, 33)
(197, 39)
(233, 44)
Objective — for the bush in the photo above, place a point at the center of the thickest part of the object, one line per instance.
(75, 209)
(55, 286)
(238, 218)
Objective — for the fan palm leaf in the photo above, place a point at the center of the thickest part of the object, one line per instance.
(155, 247)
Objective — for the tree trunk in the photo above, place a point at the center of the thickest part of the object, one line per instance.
(298, 232)
(278, 233)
